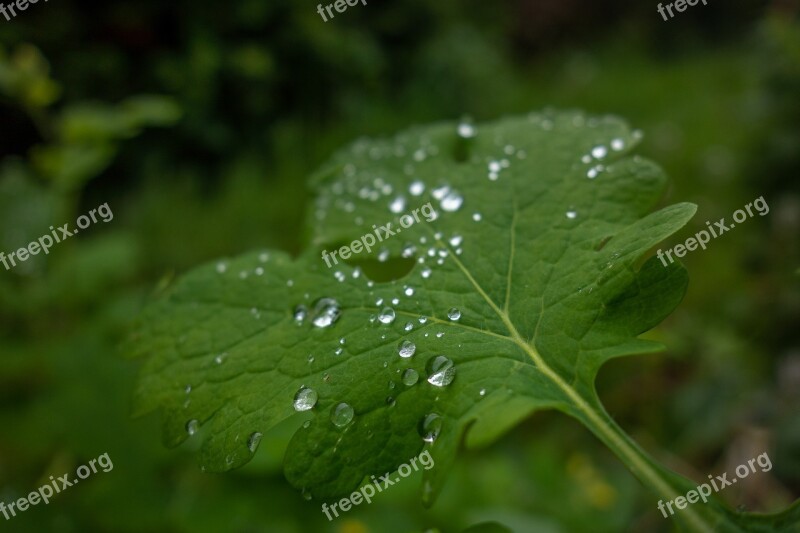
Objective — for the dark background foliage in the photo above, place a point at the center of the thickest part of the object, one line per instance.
(198, 122)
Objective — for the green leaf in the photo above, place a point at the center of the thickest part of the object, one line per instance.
(531, 276)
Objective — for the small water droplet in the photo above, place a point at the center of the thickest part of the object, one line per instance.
(187, 389)
(572, 214)
(441, 371)
(595, 171)
(310, 358)
(410, 377)
(456, 240)
(305, 399)
(383, 255)
(426, 272)
(395, 301)
(253, 441)
(220, 358)
(406, 349)
(191, 427)
(341, 415)
(454, 314)
(452, 201)
(617, 145)
(599, 152)
(340, 277)
(326, 312)
(416, 188)
(476, 217)
(387, 315)
(466, 130)
(390, 401)
(222, 267)
(408, 291)
(440, 335)
(430, 427)
(306, 424)
(482, 392)
(398, 205)
(423, 319)
(408, 250)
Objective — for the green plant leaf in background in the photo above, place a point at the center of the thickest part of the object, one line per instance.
(528, 279)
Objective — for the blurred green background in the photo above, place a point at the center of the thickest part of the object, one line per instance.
(198, 122)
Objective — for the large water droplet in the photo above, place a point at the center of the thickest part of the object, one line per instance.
(253, 441)
(387, 315)
(305, 399)
(341, 415)
(410, 377)
(326, 312)
(430, 427)
(454, 314)
(406, 349)
(441, 371)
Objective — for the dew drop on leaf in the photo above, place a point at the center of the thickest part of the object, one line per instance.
(386, 316)
(305, 399)
(417, 187)
(430, 427)
(452, 201)
(441, 371)
(326, 312)
(410, 377)
(453, 314)
(253, 441)
(341, 415)
(191, 427)
(406, 349)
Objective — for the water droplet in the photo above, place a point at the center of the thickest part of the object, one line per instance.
(395, 301)
(222, 267)
(191, 427)
(338, 351)
(476, 217)
(408, 291)
(305, 399)
(494, 166)
(452, 201)
(599, 152)
(456, 240)
(220, 358)
(387, 315)
(440, 335)
(426, 272)
(595, 171)
(340, 277)
(398, 205)
(466, 130)
(453, 314)
(187, 389)
(406, 349)
(440, 192)
(383, 255)
(430, 427)
(306, 495)
(482, 392)
(441, 371)
(390, 401)
(410, 377)
(326, 312)
(310, 358)
(379, 301)
(423, 319)
(341, 415)
(253, 441)
(264, 257)
(408, 250)
(306, 424)
(617, 145)
(416, 188)
(572, 214)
